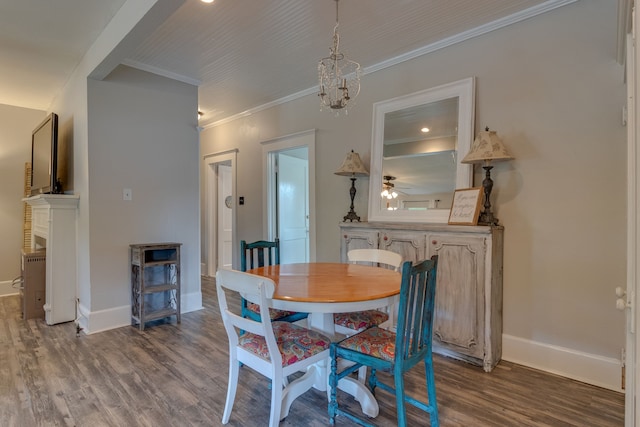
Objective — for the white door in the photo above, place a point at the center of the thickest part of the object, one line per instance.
(220, 211)
(293, 205)
(225, 219)
(291, 216)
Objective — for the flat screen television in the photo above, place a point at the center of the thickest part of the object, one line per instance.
(44, 157)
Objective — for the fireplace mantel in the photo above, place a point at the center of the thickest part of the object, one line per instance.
(53, 226)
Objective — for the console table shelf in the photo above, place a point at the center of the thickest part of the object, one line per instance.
(155, 282)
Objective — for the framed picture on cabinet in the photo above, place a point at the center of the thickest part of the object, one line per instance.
(465, 207)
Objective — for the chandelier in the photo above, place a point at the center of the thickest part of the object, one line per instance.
(338, 76)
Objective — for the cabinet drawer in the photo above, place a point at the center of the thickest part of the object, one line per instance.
(411, 245)
(365, 239)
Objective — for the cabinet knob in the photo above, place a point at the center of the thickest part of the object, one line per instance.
(345, 236)
(385, 238)
(434, 242)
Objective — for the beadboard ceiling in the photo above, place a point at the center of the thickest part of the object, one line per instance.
(242, 54)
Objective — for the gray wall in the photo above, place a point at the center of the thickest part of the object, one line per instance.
(551, 88)
(16, 125)
(142, 136)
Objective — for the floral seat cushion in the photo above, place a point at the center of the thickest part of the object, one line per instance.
(360, 319)
(274, 313)
(376, 342)
(294, 342)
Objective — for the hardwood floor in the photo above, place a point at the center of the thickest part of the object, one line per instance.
(176, 375)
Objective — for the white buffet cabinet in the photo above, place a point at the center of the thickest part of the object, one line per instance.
(468, 313)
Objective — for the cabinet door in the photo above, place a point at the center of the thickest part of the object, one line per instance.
(409, 244)
(357, 239)
(459, 308)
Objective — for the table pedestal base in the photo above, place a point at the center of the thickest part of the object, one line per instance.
(298, 387)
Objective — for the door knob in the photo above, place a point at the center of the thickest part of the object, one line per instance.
(625, 301)
(621, 303)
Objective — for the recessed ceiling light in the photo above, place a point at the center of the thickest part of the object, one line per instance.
(424, 130)
(206, 1)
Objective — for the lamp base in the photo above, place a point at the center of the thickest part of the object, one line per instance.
(352, 193)
(351, 216)
(487, 218)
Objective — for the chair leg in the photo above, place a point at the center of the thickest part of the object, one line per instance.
(373, 381)
(333, 388)
(431, 391)
(276, 402)
(234, 367)
(400, 404)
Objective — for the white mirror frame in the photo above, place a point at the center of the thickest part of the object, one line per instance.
(465, 91)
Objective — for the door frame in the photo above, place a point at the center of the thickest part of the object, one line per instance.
(632, 382)
(211, 203)
(296, 140)
(224, 213)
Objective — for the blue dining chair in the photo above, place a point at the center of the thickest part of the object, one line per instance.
(380, 349)
(259, 254)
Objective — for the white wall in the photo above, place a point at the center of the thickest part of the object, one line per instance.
(552, 90)
(16, 125)
(142, 136)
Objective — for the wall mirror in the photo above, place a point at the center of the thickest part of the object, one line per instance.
(417, 143)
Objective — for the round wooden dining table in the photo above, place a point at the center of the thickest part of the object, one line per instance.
(322, 289)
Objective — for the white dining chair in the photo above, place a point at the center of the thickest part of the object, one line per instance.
(354, 322)
(273, 349)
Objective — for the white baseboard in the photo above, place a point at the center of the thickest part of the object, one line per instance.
(6, 289)
(93, 322)
(588, 368)
(191, 302)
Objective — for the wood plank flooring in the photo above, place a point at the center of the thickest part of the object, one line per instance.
(176, 375)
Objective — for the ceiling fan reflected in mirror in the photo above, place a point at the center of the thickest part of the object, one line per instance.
(388, 191)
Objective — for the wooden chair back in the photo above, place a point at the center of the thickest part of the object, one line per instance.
(377, 256)
(414, 327)
(257, 288)
(259, 254)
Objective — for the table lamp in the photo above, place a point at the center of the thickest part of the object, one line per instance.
(487, 147)
(352, 167)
